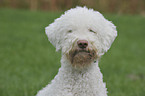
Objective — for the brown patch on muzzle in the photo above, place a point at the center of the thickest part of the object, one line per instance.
(81, 58)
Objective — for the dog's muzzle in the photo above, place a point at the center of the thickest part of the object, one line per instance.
(82, 54)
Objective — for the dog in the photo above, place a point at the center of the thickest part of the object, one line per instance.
(83, 36)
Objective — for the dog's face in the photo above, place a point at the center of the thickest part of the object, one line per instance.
(82, 35)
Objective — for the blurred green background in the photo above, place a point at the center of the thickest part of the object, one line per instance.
(28, 62)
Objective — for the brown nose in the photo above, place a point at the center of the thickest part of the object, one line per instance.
(82, 43)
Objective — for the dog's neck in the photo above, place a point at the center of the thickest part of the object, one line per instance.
(78, 81)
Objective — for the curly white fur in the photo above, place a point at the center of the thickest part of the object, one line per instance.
(76, 24)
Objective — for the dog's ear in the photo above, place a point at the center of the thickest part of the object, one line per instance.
(109, 36)
(53, 34)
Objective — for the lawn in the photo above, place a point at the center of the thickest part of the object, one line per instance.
(28, 62)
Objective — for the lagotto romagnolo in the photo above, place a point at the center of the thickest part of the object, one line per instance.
(83, 36)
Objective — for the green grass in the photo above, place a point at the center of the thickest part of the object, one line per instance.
(28, 61)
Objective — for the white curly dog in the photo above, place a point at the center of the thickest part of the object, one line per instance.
(83, 35)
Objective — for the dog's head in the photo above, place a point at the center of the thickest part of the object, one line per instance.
(82, 35)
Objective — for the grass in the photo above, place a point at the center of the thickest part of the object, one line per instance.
(28, 61)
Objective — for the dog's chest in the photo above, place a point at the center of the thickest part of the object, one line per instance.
(80, 84)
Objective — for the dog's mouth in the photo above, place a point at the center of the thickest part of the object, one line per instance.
(80, 52)
(82, 57)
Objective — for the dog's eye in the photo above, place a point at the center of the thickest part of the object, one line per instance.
(92, 31)
(69, 31)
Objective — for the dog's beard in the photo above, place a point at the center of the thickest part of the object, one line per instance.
(82, 58)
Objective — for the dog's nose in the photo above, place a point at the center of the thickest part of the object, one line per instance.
(82, 43)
